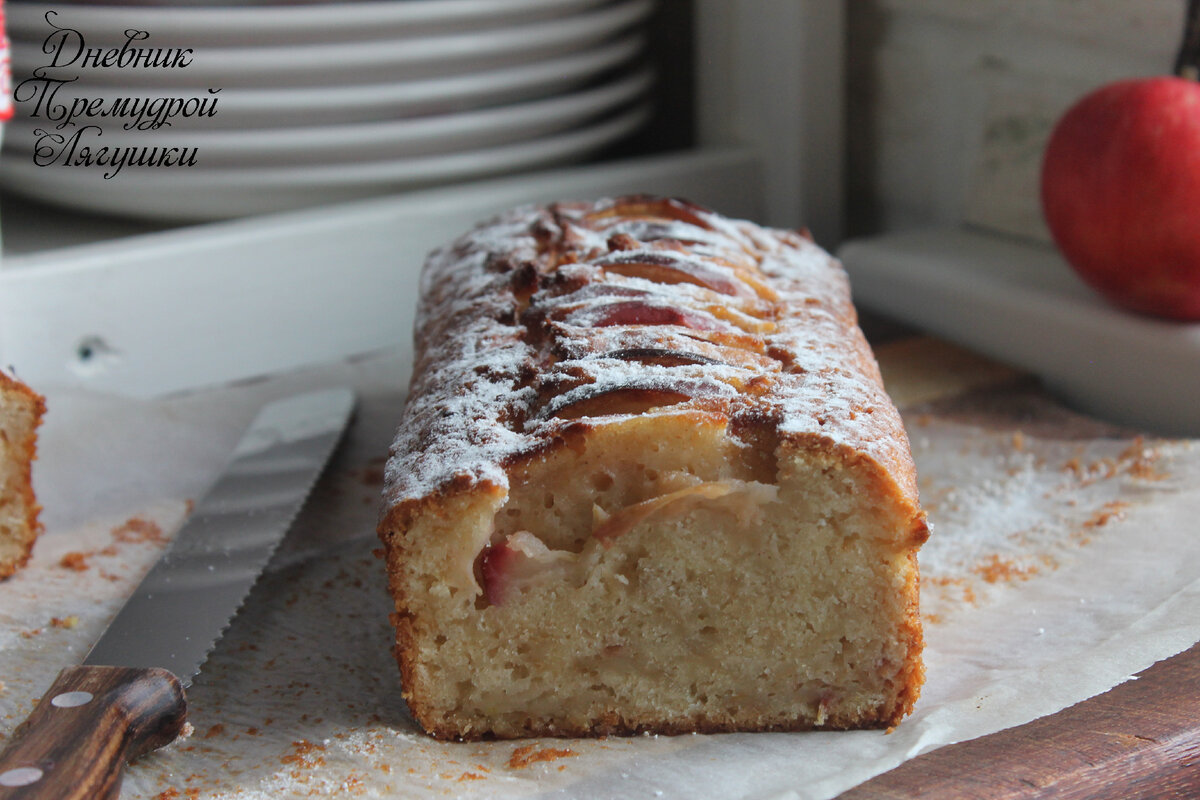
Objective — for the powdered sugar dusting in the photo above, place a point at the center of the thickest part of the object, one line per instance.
(1010, 507)
(546, 316)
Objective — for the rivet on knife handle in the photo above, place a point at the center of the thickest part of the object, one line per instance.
(91, 722)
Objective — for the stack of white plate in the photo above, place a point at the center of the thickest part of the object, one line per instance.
(317, 101)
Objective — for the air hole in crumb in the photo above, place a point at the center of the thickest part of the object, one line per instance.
(708, 630)
(651, 474)
(439, 639)
(548, 501)
(602, 481)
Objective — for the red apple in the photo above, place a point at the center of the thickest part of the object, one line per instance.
(1121, 193)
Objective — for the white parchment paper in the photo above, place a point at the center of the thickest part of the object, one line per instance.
(1057, 569)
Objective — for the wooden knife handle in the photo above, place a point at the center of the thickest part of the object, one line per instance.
(91, 722)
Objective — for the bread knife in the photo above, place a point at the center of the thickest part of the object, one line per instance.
(127, 698)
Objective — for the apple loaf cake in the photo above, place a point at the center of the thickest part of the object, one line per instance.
(648, 480)
(21, 412)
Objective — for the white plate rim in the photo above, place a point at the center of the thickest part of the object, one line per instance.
(542, 114)
(229, 187)
(26, 21)
(520, 82)
(298, 65)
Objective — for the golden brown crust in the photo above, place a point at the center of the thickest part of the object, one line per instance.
(26, 455)
(912, 677)
(613, 724)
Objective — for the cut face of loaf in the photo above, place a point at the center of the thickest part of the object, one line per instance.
(648, 480)
(20, 413)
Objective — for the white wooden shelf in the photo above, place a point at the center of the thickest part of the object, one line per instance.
(1020, 303)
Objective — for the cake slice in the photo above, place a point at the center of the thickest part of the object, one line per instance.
(21, 412)
(647, 480)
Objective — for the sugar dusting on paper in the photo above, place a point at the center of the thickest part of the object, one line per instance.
(1008, 507)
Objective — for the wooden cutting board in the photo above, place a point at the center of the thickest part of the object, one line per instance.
(1139, 740)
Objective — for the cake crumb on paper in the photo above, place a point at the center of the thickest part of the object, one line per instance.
(74, 560)
(994, 569)
(138, 529)
(528, 754)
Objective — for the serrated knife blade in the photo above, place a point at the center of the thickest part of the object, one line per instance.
(127, 697)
